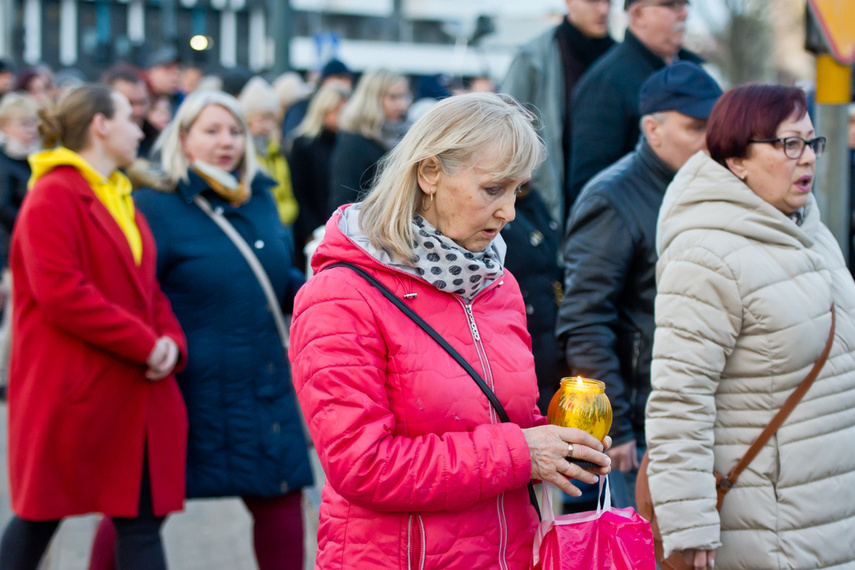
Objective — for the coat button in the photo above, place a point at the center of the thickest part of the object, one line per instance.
(529, 310)
(276, 428)
(283, 486)
(219, 210)
(259, 244)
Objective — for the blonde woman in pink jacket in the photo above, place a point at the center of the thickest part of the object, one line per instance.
(421, 473)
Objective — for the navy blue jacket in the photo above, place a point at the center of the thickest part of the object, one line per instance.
(605, 108)
(245, 437)
(533, 241)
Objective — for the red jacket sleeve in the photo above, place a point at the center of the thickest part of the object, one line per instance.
(48, 235)
(339, 358)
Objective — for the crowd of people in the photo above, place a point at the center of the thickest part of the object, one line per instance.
(199, 274)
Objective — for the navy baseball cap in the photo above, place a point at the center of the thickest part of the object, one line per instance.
(683, 87)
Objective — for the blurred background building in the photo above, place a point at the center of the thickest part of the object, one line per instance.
(757, 39)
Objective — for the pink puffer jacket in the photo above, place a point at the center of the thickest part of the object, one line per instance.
(420, 472)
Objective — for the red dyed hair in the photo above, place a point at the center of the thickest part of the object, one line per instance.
(753, 111)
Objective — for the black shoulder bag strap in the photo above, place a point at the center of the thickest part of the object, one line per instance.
(497, 405)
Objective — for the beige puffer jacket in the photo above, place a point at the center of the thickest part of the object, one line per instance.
(742, 314)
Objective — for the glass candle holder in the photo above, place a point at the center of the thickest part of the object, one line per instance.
(582, 403)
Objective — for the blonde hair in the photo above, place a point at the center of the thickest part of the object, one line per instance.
(16, 104)
(67, 122)
(172, 159)
(257, 97)
(453, 131)
(290, 88)
(325, 100)
(364, 114)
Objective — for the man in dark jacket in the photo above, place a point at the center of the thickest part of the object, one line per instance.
(543, 75)
(605, 323)
(605, 103)
(128, 81)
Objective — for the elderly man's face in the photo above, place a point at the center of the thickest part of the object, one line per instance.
(591, 17)
(660, 25)
(675, 137)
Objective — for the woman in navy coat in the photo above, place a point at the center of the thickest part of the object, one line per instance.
(245, 437)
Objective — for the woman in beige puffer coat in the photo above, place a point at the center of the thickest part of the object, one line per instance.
(746, 279)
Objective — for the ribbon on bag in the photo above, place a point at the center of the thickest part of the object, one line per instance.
(608, 537)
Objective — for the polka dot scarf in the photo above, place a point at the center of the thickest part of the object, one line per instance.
(449, 267)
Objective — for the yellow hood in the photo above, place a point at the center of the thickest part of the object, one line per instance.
(43, 162)
(114, 192)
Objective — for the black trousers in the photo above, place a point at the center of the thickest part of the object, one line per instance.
(138, 547)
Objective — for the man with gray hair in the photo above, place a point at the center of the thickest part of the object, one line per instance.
(605, 103)
(605, 322)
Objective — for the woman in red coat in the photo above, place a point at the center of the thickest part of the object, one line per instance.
(96, 420)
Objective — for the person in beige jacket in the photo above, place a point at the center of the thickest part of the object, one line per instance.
(746, 279)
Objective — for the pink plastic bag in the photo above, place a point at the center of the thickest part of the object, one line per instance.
(608, 538)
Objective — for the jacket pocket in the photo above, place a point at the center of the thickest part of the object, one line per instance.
(415, 543)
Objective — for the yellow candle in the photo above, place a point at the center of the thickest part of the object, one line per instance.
(582, 403)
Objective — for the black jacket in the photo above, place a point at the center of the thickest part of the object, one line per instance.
(294, 116)
(605, 323)
(150, 134)
(352, 167)
(14, 175)
(309, 160)
(605, 107)
(533, 240)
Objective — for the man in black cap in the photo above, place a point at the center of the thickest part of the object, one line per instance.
(543, 74)
(605, 322)
(605, 103)
(334, 72)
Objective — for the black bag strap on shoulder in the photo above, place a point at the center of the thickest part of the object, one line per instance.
(395, 300)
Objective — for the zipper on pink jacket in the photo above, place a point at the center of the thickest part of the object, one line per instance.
(415, 534)
(482, 354)
(488, 373)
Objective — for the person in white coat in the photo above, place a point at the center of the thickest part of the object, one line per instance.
(746, 278)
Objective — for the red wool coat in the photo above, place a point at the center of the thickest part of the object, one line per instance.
(420, 473)
(85, 320)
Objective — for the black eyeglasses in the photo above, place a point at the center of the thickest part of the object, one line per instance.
(674, 5)
(794, 147)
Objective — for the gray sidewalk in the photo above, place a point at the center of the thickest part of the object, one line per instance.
(208, 535)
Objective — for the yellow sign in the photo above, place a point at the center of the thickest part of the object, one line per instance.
(836, 18)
